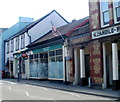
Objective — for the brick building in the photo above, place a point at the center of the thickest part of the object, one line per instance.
(105, 44)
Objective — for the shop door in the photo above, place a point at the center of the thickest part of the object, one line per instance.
(11, 66)
(87, 67)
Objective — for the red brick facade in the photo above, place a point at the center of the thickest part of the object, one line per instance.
(95, 46)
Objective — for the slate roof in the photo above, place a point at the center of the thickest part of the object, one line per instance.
(63, 30)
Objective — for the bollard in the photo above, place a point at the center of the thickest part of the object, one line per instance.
(89, 82)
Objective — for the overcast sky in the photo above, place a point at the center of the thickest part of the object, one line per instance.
(11, 10)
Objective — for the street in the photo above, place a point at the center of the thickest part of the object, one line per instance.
(16, 91)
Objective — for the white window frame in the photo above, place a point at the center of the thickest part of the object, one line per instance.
(17, 43)
(8, 46)
(115, 14)
(12, 45)
(22, 41)
(101, 15)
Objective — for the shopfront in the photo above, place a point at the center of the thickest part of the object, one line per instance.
(47, 63)
(110, 41)
(78, 59)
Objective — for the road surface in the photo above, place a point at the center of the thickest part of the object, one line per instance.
(18, 91)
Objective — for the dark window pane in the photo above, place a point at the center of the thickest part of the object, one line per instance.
(31, 56)
(45, 55)
(59, 52)
(59, 59)
(52, 53)
(41, 55)
(36, 55)
(106, 17)
(52, 59)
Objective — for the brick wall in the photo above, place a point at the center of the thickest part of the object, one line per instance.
(95, 46)
(96, 62)
(94, 14)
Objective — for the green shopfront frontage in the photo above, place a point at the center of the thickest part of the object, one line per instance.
(46, 63)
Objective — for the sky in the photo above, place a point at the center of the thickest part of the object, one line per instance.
(11, 10)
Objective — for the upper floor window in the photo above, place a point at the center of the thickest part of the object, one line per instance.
(23, 41)
(117, 10)
(8, 47)
(17, 43)
(12, 45)
(104, 13)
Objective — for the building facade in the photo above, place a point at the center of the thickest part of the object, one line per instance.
(76, 54)
(1, 35)
(16, 45)
(23, 21)
(47, 60)
(105, 44)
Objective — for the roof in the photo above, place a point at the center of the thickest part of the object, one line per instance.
(34, 23)
(14, 29)
(63, 30)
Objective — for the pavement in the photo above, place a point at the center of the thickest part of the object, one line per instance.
(71, 88)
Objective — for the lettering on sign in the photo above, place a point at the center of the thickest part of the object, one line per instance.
(105, 32)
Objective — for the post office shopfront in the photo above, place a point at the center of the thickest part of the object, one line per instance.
(46, 63)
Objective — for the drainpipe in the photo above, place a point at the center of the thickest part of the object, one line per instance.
(29, 37)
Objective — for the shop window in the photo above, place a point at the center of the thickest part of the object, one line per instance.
(45, 55)
(104, 13)
(35, 55)
(59, 52)
(52, 53)
(41, 55)
(59, 59)
(56, 64)
(117, 10)
(31, 56)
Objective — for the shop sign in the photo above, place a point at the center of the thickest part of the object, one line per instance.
(106, 32)
(47, 48)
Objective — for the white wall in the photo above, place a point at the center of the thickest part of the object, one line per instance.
(45, 26)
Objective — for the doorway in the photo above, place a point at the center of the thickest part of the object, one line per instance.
(87, 67)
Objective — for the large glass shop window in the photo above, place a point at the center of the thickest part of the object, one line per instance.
(32, 68)
(39, 65)
(43, 68)
(56, 64)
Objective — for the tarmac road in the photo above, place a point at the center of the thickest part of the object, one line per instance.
(18, 91)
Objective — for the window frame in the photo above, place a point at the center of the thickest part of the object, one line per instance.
(22, 41)
(115, 12)
(17, 43)
(101, 15)
(12, 45)
(8, 47)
